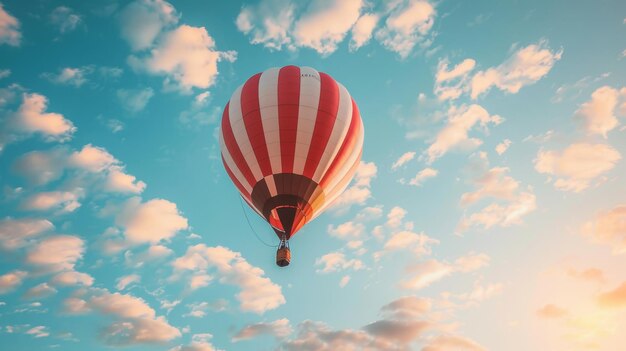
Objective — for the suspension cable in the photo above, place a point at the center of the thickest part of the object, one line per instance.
(250, 225)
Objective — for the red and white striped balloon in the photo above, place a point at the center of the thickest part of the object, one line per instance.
(291, 140)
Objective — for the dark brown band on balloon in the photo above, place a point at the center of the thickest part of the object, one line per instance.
(291, 201)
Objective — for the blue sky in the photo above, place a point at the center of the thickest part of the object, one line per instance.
(487, 214)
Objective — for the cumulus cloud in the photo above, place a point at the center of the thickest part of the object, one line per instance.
(451, 83)
(454, 135)
(258, 293)
(150, 222)
(127, 280)
(136, 322)
(279, 329)
(121, 182)
(363, 29)
(143, 20)
(576, 167)
(57, 253)
(65, 19)
(423, 175)
(324, 24)
(9, 28)
(135, 100)
(40, 291)
(61, 201)
(153, 254)
(428, 272)
(268, 23)
(187, 56)
(199, 342)
(402, 160)
(92, 159)
(598, 114)
(418, 243)
(510, 202)
(31, 118)
(41, 167)
(69, 76)
(336, 262)
(11, 280)
(359, 191)
(346, 231)
(525, 67)
(608, 227)
(72, 278)
(503, 146)
(407, 25)
(17, 233)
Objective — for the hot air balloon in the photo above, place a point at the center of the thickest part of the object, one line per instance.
(291, 140)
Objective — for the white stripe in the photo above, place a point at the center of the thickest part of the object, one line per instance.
(271, 185)
(233, 167)
(252, 207)
(339, 188)
(309, 101)
(241, 135)
(331, 189)
(340, 129)
(268, 104)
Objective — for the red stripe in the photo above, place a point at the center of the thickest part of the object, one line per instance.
(233, 148)
(346, 147)
(288, 107)
(324, 123)
(239, 186)
(253, 123)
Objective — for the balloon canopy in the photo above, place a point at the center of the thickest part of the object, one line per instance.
(291, 140)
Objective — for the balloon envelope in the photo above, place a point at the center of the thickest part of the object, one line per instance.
(291, 140)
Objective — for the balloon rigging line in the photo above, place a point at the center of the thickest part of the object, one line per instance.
(250, 225)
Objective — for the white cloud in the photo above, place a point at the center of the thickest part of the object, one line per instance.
(461, 120)
(258, 293)
(143, 20)
(72, 278)
(346, 231)
(153, 254)
(186, 56)
(4, 73)
(325, 24)
(495, 183)
(31, 117)
(402, 160)
(199, 113)
(11, 280)
(150, 222)
(92, 159)
(61, 201)
(69, 76)
(120, 182)
(598, 114)
(38, 331)
(423, 175)
(452, 342)
(135, 100)
(337, 261)
(40, 291)
(41, 167)
(344, 281)
(525, 67)
(418, 243)
(608, 227)
(199, 342)
(452, 83)
(428, 272)
(65, 19)
(395, 217)
(57, 253)
(127, 280)
(578, 165)
(503, 146)
(9, 28)
(279, 329)
(503, 215)
(407, 25)
(17, 233)
(268, 23)
(136, 322)
(363, 29)
(360, 191)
